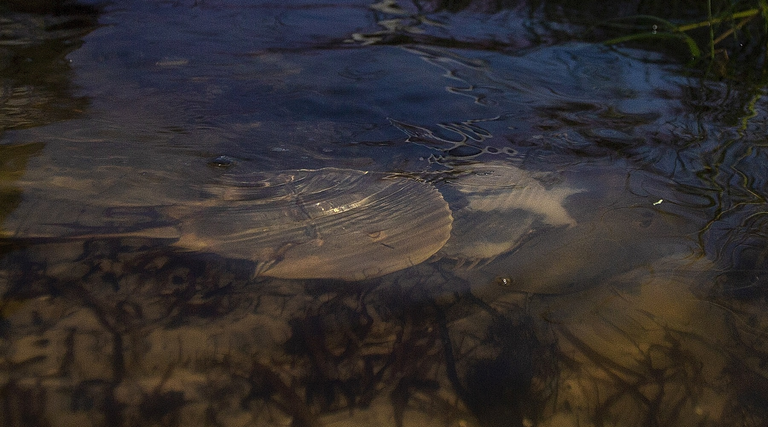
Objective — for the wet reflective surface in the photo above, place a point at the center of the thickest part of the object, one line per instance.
(372, 213)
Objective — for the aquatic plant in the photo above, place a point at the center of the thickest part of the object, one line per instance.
(727, 37)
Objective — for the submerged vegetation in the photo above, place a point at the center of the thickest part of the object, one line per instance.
(729, 38)
(726, 38)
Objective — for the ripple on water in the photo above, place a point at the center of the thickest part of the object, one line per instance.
(269, 214)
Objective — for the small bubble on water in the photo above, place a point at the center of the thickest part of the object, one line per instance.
(221, 162)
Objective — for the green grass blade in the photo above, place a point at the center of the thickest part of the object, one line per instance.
(693, 48)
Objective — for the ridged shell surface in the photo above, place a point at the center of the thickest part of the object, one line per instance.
(327, 223)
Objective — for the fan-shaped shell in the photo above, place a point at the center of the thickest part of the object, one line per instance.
(328, 223)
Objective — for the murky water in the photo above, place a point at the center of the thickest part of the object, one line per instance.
(371, 213)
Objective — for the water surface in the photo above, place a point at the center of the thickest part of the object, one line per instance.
(581, 228)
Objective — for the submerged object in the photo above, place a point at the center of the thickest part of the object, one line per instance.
(327, 223)
(562, 239)
(498, 206)
(564, 260)
(301, 224)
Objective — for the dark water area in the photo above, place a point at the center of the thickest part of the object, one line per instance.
(373, 213)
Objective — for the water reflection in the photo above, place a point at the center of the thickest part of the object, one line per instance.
(35, 87)
(34, 73)
(192, 238)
